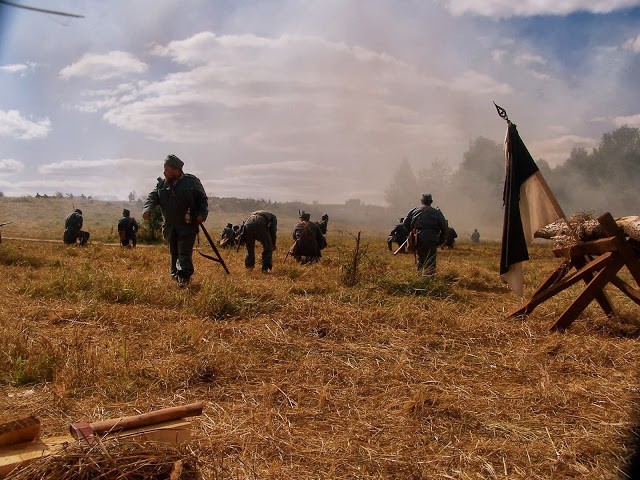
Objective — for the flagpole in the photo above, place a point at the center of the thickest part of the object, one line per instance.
(503, 114)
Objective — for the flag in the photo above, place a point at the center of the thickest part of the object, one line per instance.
(528, 205)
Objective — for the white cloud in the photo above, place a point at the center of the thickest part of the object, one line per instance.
(70, 167)
(528, 59)
(104, 67)
(9, 165)
(633, 44)
(20, 68)
(509, 8)
(630, 121)
(479, 83)
(13, 124)
(556, 150)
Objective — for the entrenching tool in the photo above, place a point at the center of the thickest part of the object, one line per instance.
(218, 257)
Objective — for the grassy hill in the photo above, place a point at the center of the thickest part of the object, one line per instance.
(311, 372)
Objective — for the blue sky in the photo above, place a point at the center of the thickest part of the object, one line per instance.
(301, 100)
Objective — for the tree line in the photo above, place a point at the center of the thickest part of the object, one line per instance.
(603, 179)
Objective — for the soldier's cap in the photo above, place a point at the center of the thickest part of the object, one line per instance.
(325, 216)
(401, 219)
(173, 161)
(77, 210)
(229, 225)
(426, 198)
(304, 215)
(125, 212)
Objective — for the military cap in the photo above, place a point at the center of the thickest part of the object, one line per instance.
(125, 212)
(304, 215)
(426, 198)
(173, 161)
(229, 225)
(325, 216)
(77, 210)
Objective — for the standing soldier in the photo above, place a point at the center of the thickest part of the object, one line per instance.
(475, 236)
(261, 226)
(184, 206)
(430, 227)
(127, 228)
(73, 229)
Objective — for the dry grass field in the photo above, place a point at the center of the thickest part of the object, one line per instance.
(306, 375)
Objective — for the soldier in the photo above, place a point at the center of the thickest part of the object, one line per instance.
(227, 237)
(323, 223)
(429, 226)
(184, 206)
(73, 229)
(308, 240)
(127, 228)
(475, 236)
(398, 235)
(450, 238)
(261, 226)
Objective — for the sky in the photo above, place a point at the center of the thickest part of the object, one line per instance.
(293, 100)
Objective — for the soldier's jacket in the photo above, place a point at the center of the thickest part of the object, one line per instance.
(268, 219)
(308, 237)
(323, 224)
(73, 224)
(429, 221)
(185, 193)
(399, 233)
(128, 225)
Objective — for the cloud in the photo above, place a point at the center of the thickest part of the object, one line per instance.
(557, 150)
(9, 165)
(104, 67)
(85, 167)
(505, 8)
(13, 124)
(528, 59)
(629, 121)
(633, 44)
(21, 68)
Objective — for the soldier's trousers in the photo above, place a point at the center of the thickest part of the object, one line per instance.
(426, 251)
(258, 231)
(181, 249)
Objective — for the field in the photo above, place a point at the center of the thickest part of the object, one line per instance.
(314, 372)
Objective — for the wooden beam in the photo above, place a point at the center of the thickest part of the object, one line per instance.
(595, 247)
(20, 430)
(627, 289)
(589, 293)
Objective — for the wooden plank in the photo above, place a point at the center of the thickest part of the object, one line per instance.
(588, 294)
(20, 430)
(627, 289)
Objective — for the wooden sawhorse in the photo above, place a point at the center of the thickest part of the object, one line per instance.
(596, 263)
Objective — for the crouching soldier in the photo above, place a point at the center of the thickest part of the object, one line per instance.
(308, 240)
(127, 228)
(73, 229)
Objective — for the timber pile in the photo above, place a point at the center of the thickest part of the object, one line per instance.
(587, 228)
(146, 446)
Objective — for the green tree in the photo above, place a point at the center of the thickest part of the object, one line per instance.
(151, 229)
(403, 191)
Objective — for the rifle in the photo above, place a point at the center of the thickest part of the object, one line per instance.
(5, 223)
(219, 257)
(401, 246)
(290, 249)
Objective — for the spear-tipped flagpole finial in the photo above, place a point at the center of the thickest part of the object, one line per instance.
(502, 112)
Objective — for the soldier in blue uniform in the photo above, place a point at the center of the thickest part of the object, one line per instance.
(261, 226)
(430, 227)
(184, 206)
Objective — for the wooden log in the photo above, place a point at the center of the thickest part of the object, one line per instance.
(143, 420)
(21, 430)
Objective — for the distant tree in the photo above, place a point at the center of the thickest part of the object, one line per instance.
(132, 196)
(353, 203)
(1, 194)
(83, 196)
(58, 195)
(69, 195)
(403, 190)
